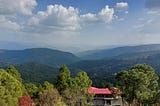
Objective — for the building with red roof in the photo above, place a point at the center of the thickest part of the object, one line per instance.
(106, 96)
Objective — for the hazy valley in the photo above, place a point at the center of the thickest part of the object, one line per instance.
(40, 64)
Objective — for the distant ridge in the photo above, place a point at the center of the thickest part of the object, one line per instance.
(37, 55)
(108, 53)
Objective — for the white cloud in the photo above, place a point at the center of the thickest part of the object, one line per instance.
(122, 6)
(7, 24)
(56, 17)
(104, 16)
(89, 18)
(126, 12)
(24, 7)
(57, 25)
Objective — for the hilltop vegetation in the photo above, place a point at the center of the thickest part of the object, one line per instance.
(139, 86)
(66, 90)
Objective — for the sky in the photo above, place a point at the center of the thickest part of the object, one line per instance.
(78, 24)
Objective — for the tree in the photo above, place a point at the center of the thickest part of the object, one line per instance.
(13, 71)
(10, 89)
(25, 101)
(63, 81)
(149, 91)
(105, 84)
(64, 84)
(83, 83)
(149, 71)
(73, 90)
(49, 96)
(137, 86)
(31, 89)
(122, 78)
(140, 83)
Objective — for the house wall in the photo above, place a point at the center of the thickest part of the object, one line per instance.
(103, 101)
(98, 102)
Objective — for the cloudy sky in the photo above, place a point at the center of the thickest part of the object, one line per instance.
(78, 23)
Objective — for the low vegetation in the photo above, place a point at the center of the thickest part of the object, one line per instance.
(65, 91)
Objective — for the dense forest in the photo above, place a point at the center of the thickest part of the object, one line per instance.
(139, 86)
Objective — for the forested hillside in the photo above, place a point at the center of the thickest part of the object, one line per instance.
(37, 73)
(37, 55)
(106, 69)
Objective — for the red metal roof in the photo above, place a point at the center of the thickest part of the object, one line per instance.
(94, 90)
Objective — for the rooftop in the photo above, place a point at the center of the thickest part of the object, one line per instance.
(94, 90)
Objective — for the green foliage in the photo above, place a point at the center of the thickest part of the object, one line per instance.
(140, 83)
(150, 73)
(14, 72)
(47, 85)
(105, 84)
(10, 89)
(150, 88)
(37, 73)
(82, 83)
(73, 90)
(63, 81)
(31, 89)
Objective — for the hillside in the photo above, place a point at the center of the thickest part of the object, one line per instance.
(108, 53)
(37, 55)
(99, 70)
(40, 64)
(37, 73)
(106, 69)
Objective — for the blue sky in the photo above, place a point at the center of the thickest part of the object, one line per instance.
(80, 24)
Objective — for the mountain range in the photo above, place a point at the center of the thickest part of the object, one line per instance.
(125, 50)
(40, 64)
